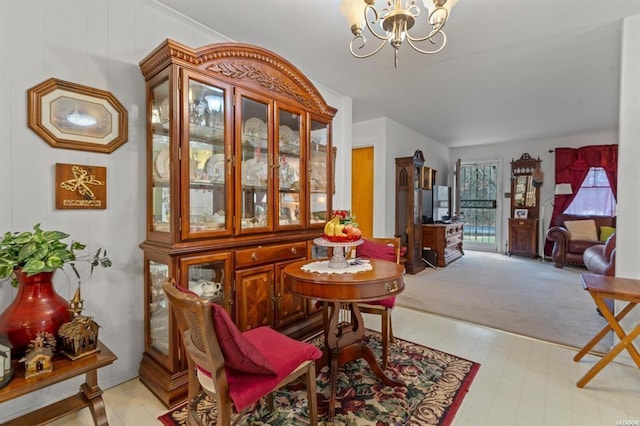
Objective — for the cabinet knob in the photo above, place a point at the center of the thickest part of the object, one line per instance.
(391, 287)
(254, 256)
(294, 250)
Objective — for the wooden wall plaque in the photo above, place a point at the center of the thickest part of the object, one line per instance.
(81, 187)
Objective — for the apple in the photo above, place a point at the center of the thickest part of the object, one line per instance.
(352, 231)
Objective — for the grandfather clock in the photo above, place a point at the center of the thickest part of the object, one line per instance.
(409, 209)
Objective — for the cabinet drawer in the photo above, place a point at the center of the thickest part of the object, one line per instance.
(454, 239)
(268, 254)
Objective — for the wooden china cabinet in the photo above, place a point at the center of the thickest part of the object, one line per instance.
(239, 171)
(525, 207)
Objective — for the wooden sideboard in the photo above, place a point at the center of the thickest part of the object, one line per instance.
(445, 240)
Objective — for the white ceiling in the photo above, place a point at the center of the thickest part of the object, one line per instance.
(511, 70)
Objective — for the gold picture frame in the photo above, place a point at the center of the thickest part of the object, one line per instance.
(72, 116)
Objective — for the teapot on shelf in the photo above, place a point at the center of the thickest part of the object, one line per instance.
(209, 289)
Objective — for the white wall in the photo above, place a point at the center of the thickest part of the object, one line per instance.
(390, 140)
(506, 152)
(628, 241)
(97, 44)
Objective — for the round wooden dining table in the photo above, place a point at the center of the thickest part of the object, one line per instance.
(343, 326)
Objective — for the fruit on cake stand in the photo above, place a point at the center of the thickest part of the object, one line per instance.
(340, 232)
(341, 228)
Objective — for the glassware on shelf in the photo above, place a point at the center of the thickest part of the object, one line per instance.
(287, 173)
(158, 307)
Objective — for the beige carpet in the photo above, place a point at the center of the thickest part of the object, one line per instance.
(515, 294)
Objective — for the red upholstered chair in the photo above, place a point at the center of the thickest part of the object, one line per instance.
(386, 249)
(236, 369)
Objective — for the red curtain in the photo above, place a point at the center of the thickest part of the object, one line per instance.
(572, 166)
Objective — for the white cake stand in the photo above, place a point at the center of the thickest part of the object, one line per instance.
(338, 260)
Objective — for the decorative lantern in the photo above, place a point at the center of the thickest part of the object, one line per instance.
(79, 337)
(6, 368)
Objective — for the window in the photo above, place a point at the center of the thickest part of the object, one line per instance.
(594, 197)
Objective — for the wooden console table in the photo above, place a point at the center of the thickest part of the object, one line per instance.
(90, 394)
(623, 289)
(445, 240)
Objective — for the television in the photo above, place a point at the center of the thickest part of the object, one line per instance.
(441, 203)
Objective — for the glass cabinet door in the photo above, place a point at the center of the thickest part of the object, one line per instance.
(319, 167)
(289, 196)
(158, 334)
(255, 165)
(160, 160)
(210, 276)
(206, 160)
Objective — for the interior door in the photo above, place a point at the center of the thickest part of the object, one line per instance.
(362, 189)
(478, 204)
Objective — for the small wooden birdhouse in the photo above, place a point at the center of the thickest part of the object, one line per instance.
(79, 337)
(37, 360)
(6, 368)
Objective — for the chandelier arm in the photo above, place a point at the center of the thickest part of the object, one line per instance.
(362, 45)
(378, 17)
(430, 36)
(429, 52)
(434, 31)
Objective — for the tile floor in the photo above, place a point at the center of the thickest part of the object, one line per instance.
(521, 381)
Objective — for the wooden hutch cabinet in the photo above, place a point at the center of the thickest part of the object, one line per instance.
(409, 209)
(239, 178)
(525, 207)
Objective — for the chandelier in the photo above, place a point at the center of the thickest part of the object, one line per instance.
(393, 22)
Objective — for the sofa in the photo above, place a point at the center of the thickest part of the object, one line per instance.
(573, 234)
(601, 259)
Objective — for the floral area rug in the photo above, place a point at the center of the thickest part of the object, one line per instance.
(436, 383)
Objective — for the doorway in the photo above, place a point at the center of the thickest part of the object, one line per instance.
(478, 204)
(362, 189)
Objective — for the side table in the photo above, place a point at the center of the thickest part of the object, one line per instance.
(341, 292)
(90, 394)
(623, 289)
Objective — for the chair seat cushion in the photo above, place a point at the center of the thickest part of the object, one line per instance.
(239, 352)
(388, 303)
(579, 246)
(374, 250)
(282, 352)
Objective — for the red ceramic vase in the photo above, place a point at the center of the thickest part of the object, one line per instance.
(37, 307)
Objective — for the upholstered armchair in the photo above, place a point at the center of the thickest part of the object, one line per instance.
(601, 259)
(568, 246)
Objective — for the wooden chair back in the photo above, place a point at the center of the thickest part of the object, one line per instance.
(195, 322)
(390, 241)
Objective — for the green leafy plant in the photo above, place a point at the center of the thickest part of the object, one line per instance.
(43, 251)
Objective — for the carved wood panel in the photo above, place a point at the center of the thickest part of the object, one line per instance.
(254, 288)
